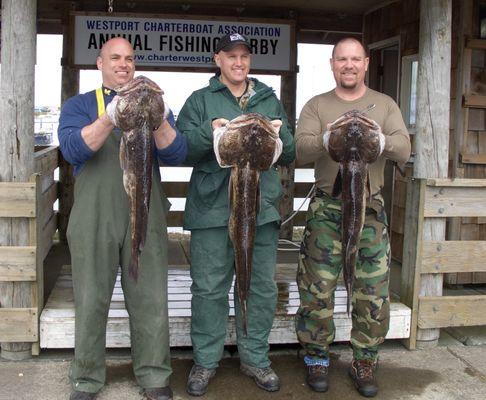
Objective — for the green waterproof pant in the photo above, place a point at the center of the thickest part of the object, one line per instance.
(320, 264)
(212, 271)
(100, 242)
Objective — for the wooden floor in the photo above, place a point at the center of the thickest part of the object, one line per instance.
(57, 318)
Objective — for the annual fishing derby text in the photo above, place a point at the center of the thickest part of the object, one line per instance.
(170, 41)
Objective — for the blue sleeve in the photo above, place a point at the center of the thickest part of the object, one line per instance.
(74, 117)
(176, 152)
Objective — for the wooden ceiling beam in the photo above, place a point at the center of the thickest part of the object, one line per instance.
(311, 25)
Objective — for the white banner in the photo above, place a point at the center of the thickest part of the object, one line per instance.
(167, 42)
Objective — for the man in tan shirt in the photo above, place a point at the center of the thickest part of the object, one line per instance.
(320, 259)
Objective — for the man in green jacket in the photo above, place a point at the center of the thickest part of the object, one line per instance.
(230, 93)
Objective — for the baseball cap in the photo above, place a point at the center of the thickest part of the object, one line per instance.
(228, 42)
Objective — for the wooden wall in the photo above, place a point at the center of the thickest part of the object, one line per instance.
(402, 19)
(397, 19)
(468, 138)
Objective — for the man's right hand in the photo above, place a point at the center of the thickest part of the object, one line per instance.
(111, 109)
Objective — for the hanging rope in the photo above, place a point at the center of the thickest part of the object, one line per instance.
(296, 246)
(311, 191)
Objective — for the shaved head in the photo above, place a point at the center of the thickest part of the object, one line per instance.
(112, 42)
(347, 40)
(116, 62)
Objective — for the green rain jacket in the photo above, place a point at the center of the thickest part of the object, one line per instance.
(207, 202)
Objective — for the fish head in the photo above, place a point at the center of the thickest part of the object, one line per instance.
(140, 102)
(354, 137)
(250, 139)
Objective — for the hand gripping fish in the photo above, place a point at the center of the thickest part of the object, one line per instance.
(248, 146)
(354, 143)
(139, 111)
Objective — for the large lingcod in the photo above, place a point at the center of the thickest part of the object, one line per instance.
(139, 111)
(248, 146)
(354, 143)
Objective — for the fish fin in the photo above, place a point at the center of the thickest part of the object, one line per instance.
(230, 193)
(243, 317)
(348, 305)
(349, 275)
(368, 186)
(123, 154)
(338, 184)
(258, 200)
(230, 205)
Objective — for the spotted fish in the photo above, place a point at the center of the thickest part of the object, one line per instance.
(354, 143)
(248, 146)
(139, 111)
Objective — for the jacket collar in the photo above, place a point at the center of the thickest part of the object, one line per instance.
(215, 85)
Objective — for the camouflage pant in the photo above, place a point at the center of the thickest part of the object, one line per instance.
(318, 271)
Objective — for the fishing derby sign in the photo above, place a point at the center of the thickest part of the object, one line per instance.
(168, 42)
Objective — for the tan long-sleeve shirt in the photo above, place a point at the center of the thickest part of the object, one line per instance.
(326, 108)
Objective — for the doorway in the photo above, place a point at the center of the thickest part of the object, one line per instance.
(383, 76)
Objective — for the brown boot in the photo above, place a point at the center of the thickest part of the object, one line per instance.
(160, 393)
(317, 378)
(265, 377)
(198, 381)
(77, 395)
(362, 372)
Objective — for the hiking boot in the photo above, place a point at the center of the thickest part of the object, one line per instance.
(265, 378)
(77, 395)
(362, 372)
(198, 381)
(160, 393)
(317, 377)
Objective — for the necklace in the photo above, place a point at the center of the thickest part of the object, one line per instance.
(238, 98)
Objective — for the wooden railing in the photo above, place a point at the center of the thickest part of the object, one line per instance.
(179, 190)
(434, 199)
(34, 201)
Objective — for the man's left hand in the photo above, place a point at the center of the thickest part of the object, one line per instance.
(381, 136)
(277, 124)
(166, 111)
(382, 142)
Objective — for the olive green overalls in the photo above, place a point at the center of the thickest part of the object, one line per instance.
(99, 240)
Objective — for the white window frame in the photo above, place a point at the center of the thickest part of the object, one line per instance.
(406, 90)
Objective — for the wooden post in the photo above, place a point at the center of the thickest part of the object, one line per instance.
(432, 138)
(17, 140)
(288, 88)
(412, 253)
(69, 88)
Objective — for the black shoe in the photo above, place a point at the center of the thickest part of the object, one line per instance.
(317, 377)
(362, 372)
(161, 393)
(265, 378)
(198, 381)
(77, 395)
